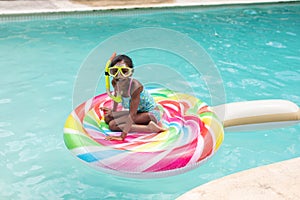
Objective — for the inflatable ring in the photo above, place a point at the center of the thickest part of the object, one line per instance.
(193, 135)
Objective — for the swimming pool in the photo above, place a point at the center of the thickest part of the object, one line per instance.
(255, 48)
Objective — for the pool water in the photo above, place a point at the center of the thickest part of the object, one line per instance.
(256, 51)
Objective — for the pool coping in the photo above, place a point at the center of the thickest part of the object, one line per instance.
(56, 6)
(277, 181)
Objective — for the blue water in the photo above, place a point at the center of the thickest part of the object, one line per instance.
(255, 49)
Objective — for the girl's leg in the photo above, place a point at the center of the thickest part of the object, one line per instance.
(115, 123)
(143, 122)
(114, 115)
(146, 122)
(152, 127)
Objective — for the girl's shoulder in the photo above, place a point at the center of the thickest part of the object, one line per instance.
(136, 82)
(136, 85)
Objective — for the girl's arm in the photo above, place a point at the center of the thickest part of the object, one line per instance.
(115, 106)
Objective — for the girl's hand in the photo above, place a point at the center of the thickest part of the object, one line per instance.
(106, 110)
(119, 138)
(113, 56)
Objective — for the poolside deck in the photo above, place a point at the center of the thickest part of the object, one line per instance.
(279, 181)
(276, 181)
(8, 7)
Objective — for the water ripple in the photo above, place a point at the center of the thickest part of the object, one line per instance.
(4, 101)
(276, 45)
(237, 65)
(293, 57)
(5, 124)
(57, 83)
(288, 75)
(5, 133)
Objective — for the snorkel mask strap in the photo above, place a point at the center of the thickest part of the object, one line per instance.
(117, 98)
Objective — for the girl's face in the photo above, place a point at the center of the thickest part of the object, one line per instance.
(120, 70)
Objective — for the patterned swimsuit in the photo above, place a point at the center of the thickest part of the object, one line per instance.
(147, 103)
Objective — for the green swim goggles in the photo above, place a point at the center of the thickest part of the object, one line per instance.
(122, 69)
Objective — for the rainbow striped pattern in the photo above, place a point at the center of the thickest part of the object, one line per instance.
(194, 134)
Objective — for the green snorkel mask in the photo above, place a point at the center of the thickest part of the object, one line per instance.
(117, 98)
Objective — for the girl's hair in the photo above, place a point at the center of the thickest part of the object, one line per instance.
(119, 58)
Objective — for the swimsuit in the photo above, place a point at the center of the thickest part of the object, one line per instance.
(147, 103)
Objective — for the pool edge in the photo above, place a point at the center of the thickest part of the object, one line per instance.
(4, 11)
(280, 180)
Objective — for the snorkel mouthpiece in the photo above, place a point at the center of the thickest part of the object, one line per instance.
(117, 98)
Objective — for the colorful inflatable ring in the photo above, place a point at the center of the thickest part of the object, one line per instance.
(194, 134)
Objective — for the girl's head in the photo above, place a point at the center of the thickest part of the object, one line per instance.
(121, 66)
(122, 58)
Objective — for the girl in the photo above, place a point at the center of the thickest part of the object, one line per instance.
(142, 114)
